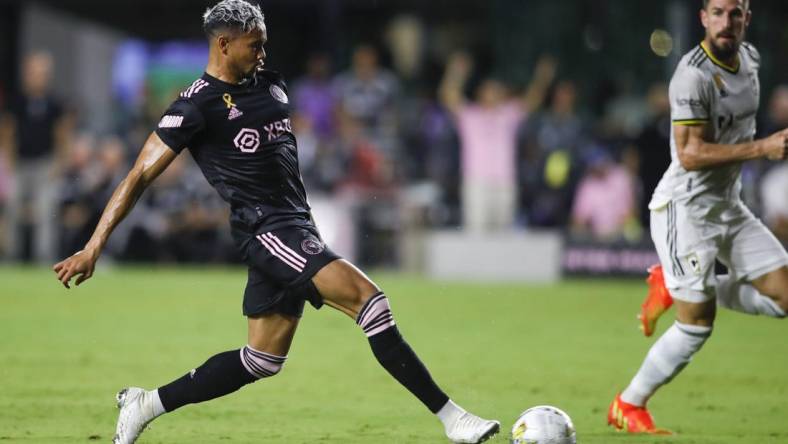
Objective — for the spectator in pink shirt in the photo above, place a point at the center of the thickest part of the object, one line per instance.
(487, 129)
(604, 201)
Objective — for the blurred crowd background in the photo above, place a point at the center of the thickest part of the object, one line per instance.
(479, 117)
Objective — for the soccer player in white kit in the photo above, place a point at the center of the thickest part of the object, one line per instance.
(697, 214)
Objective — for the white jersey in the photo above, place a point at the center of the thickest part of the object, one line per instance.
(703, 91)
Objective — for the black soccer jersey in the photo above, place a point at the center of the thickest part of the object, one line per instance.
(241, 138)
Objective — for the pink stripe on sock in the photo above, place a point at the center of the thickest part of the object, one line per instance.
(377, 316)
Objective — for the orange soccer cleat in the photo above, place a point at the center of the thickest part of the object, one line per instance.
(657, 302)
(632, 419)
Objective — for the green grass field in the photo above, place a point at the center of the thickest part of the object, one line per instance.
(496, 349)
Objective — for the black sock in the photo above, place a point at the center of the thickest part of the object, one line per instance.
(396, 356)
(220, 375)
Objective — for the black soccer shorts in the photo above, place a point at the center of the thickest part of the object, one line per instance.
(282, 263)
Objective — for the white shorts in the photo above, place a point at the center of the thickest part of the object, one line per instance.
(690, 236)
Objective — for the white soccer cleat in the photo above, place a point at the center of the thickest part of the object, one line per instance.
(470, 429)
(135, 413)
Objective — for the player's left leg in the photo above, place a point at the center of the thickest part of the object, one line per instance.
(347, 289)
(774, 285)
(757, 282)
(766, 295)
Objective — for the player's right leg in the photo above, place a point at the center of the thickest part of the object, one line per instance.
(657, 302)
(347, 289)
(270, 336)
(658, 299)
(666, 359)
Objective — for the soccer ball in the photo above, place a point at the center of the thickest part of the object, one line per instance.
(543, 424)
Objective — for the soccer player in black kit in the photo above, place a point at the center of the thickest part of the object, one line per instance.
(235, 122)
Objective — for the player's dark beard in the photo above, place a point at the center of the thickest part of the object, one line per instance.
(726, 52)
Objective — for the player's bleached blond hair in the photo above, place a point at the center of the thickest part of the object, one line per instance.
(237, 15)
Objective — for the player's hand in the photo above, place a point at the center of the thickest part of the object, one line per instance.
(80, 265)
(777, 145)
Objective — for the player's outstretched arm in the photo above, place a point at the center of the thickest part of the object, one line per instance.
(152, 160)
(695, 153)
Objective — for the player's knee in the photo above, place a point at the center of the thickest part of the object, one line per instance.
(375, 315)
(365, 290)
(775, 286)
(362, 290)
(260, 364)
(780, 297)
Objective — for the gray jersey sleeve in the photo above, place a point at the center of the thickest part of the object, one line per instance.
(690, 98)
(752, 54)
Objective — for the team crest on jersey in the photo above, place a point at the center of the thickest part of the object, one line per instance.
(312, 245)
(234, 111)
(694, 262)
(278, 94)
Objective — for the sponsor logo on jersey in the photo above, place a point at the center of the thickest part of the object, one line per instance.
(247, 140)
(171, 121)
(312, 245)
(278, 94)
(234, 111)
(692, 103)
(276, 129)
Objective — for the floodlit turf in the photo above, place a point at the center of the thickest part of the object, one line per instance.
(497, 349)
